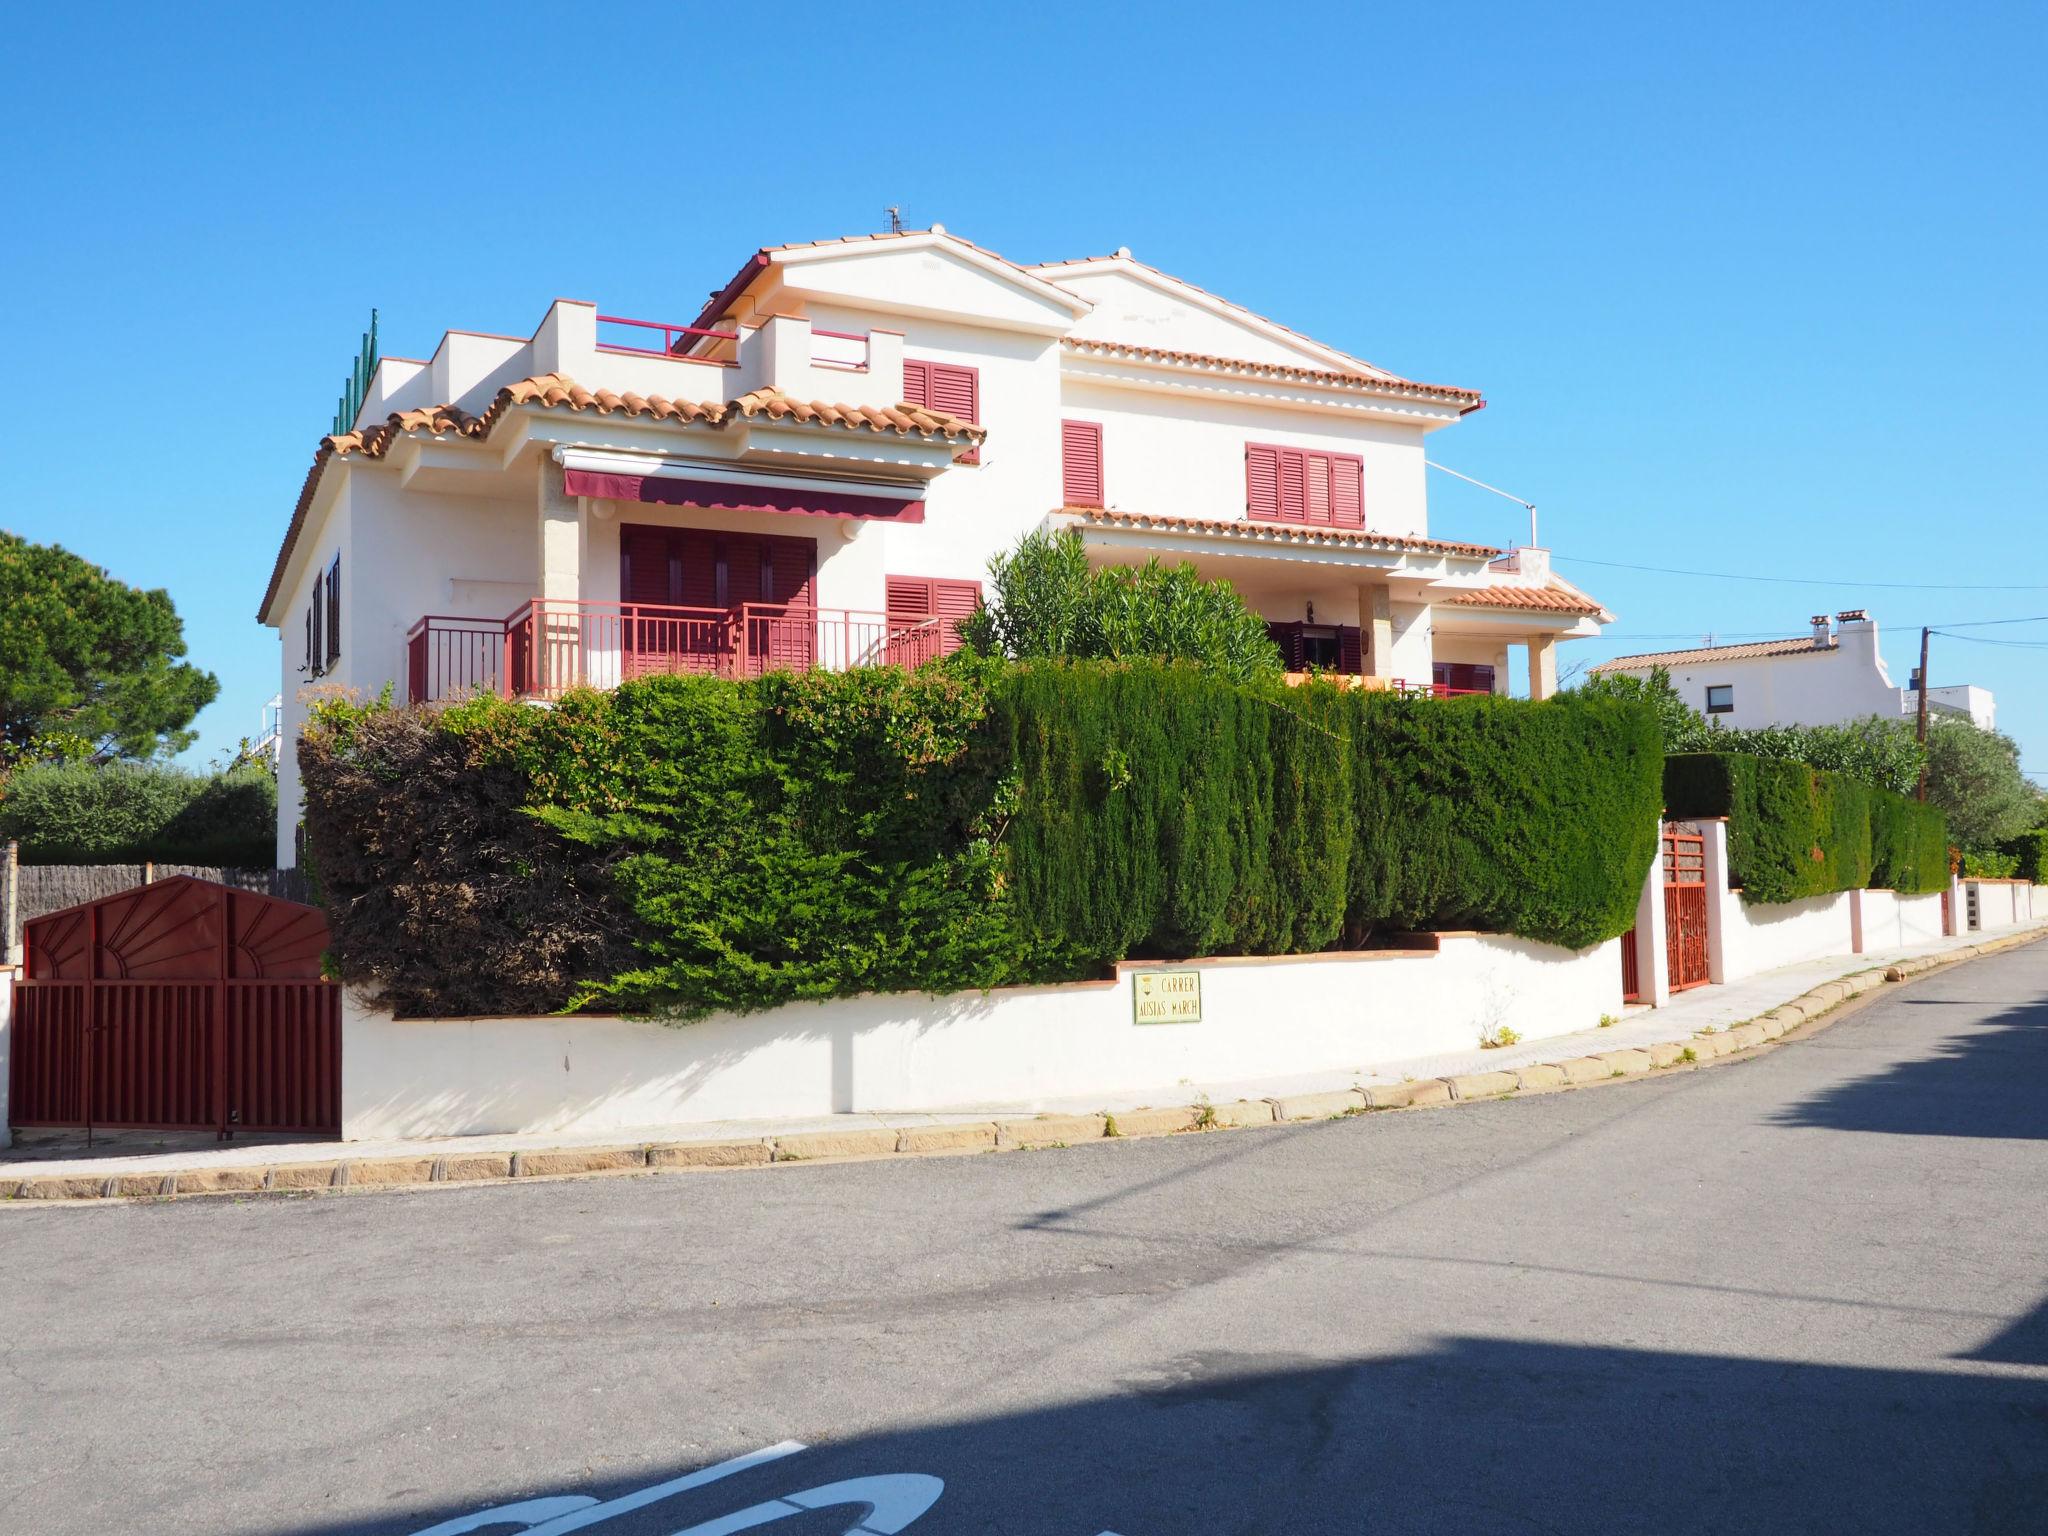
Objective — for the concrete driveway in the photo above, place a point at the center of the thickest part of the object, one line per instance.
(1801, 1293)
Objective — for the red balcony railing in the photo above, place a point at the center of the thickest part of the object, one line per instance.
(548, 646)
(676, 340)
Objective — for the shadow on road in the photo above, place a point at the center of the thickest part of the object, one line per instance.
(1470, 1436)
(1982, 1081)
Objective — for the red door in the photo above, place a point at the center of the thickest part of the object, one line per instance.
(697, 600)
(1685, 908)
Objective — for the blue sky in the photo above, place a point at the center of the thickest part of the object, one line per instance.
(1749, 289)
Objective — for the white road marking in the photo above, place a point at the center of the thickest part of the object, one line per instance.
(573, 1512)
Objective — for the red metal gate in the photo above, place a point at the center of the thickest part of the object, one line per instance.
(1631, 969)
(1685, 907)
(182, 1005)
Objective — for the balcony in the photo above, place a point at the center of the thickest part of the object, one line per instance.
(548, 646)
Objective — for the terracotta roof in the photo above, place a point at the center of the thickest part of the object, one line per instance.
(1541, 599)
(559, 391)
(1247, 530)
(1797, 646)
(1374, 383)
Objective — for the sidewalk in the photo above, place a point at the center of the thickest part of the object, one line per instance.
(136, 1154)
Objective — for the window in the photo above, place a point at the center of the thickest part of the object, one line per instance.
(1721, 699)
(950, 387)
(1081, 463)
(924, 614)
(1325, 647)
(1460, 677)
(1296, 485)
(333, 614)
(316, 628)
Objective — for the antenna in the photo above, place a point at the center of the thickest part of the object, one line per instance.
(895, 220)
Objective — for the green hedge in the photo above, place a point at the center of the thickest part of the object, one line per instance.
(131, 813)
(686, 845)
(1795, 831)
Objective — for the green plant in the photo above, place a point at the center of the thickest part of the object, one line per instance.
(89, 665)
(1608, 1021)
(1494, 1039)
(1974, 777)
(1109, 1126)
(2029, 852)
(1205, 1114)
(1986, 865)
(1046, 603)
(1688, 1054)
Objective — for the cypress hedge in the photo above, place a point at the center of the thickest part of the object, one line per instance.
(684, 845)
(131, 813)
(1795, 831)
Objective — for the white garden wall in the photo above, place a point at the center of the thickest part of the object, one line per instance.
(1017, 1047)
(1998, 904)
(1887, 920)
(7, 974)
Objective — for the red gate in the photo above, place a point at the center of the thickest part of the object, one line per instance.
(1685, 907)
(182, 1005)
(1631, 969)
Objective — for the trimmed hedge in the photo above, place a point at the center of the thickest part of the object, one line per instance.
(1795, 831)
(133, 813)
(685, 845)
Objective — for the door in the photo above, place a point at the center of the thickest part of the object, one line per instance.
(1685, 907)
(702, 600)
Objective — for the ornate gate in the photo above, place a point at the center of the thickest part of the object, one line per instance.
(1685, 907)
(182, 1005)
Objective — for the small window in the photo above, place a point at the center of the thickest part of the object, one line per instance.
(1721, 699)
(1081, 463)
(333, 614)
(953, 388)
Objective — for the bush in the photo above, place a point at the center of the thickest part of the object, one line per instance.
(1503, 815)
(2029, 853)
(1984, 865)
(1046, 604)
(1974, 776)
(1795, 831)
(132, 813)
(686, 845)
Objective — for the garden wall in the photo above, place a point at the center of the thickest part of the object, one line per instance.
(1999, 903)
(1888, 920)
(1019, 1047)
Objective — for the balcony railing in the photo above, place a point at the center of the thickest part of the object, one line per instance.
(1368, 684)
(548, 646)
(676, 340)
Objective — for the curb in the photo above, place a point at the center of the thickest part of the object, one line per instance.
(368, 1175)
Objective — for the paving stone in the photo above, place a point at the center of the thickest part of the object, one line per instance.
(302, 1176)
(533, 1165)
(207, 1181)
(477, 1165)
(870, 1142)
(1744, 1037)
(1545, 1075)
(1153, 1122)
(1428, 1090)
(1049, 1131)
(948, 1138)
(1669, 1054)
(1241, 1112)
(1628, 1063)
(1585, 1069)
(710, 1154)
(1483, 1085)
(1317, 1106)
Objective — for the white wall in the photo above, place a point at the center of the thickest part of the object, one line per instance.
(7, 975)
(1886, 920)
(2000, 903)
(1016, 1047)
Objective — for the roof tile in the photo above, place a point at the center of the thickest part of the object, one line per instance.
(1798, 645)
(1276, 533)
(1543, 599)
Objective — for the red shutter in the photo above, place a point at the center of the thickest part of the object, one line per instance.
(953, 601)
(644, 559)
(924, 615)
(917, 383)
(956, 390)
(1316, 475)
(1347, 490)
(1287, 636)
(791, 561)
(1293, 491)
(1262, 482)
(1081, 463)
(317, 616)
(1350, 650)
(334, 611)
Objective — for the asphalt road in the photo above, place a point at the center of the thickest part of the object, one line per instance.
(1803, 1293)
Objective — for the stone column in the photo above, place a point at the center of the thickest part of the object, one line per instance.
(1653, 947)
(1542, 667)
(1724, 911)
(1376, 624)
(548, 657)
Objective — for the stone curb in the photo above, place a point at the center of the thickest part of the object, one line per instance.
(1016, 1134)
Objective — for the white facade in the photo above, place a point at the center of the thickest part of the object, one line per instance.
(502, 471)
(1832, 675)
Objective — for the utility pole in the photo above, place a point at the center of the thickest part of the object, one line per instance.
(1920, 734)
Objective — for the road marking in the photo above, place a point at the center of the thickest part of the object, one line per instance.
(573, 1512)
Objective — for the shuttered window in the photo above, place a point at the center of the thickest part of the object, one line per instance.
(1081, 463)
(950, 387)
(1298, 485)
(924, 616)
(1325, 647)
(334, 612)
(316, 627)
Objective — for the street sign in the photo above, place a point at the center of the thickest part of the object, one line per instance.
(1166, 997)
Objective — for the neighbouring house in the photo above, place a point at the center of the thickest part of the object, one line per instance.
(1833, 673)
(816, 469)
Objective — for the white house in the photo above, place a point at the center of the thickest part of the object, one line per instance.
(818, 467)
(1832, 674)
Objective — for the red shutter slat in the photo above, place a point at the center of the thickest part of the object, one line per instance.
(1081, 463)
(1261, 481)
(910, 597)
(917, 383)
(1347, 490)
(955, 390)
(792, 564)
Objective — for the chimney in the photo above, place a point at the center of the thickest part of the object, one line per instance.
(1820, 631)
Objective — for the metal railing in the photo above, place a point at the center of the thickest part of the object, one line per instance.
(548, 646)
(839, 349)
(676, 340)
